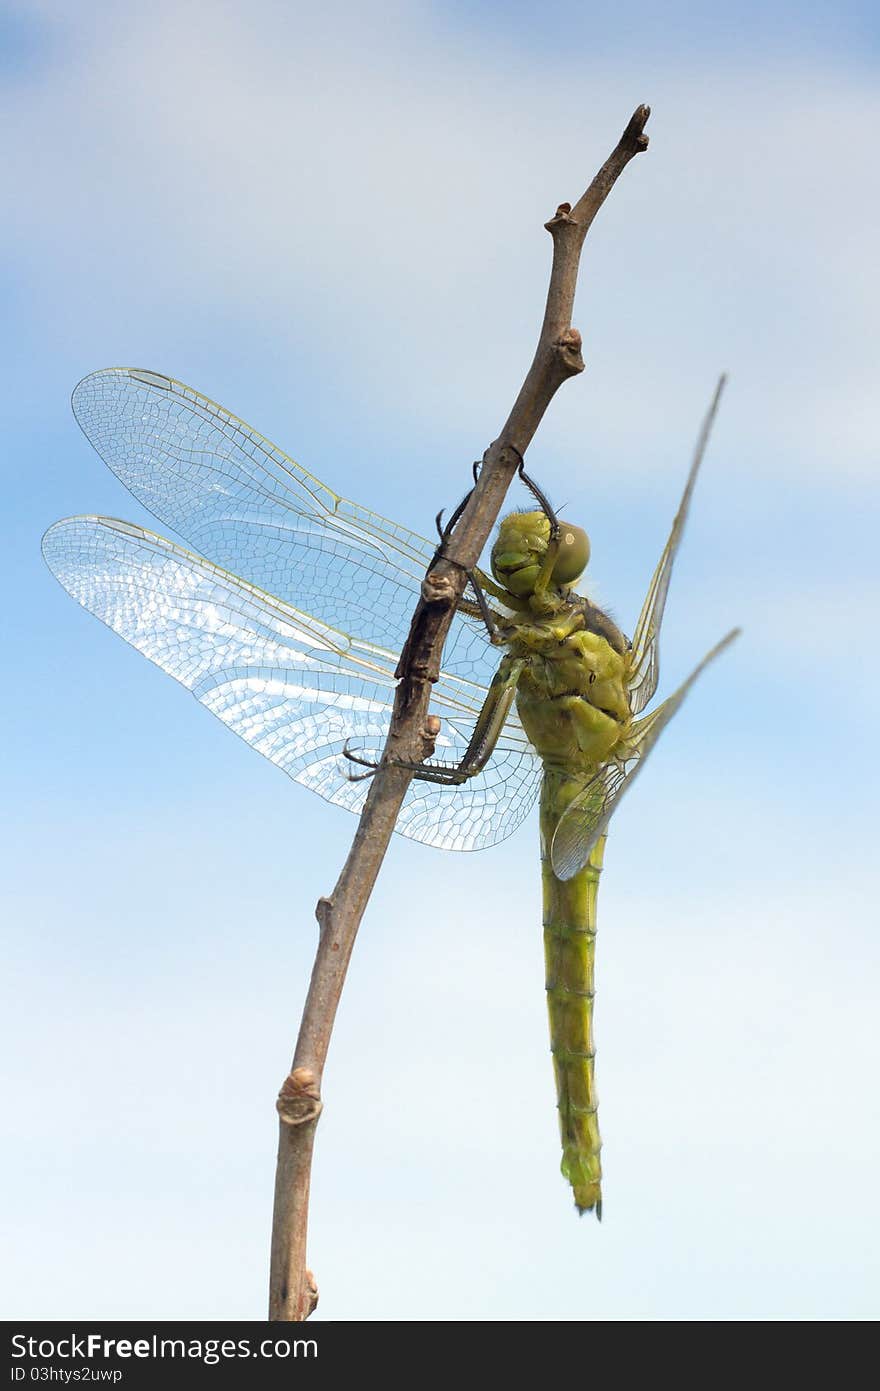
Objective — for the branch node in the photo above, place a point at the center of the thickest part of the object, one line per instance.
(568, 347)
(571, 338)
(561, 215)
(428, 735)
(438, 589)
(299, 1100)
(310, 1294)
(324, 914)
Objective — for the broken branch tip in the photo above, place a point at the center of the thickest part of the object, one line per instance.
(635, 131)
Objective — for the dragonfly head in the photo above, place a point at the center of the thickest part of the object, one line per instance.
(521, 545)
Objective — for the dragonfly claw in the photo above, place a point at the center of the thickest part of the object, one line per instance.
(540, 497)
(363, 762)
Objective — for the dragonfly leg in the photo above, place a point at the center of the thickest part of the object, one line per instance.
(496, 591)
(541, 498)
(552, 553)
(537, 493)
(362, 762)
(444, 532)
(430, 731)
(490, 722)
(448, 774)
(481, 608)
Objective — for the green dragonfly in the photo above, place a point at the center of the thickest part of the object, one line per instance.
(286, 619)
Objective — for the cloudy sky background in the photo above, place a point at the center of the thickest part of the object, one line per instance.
(332, 223)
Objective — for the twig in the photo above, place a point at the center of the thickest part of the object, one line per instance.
(292, 1291)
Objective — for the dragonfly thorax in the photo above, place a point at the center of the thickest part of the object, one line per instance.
(520, 551)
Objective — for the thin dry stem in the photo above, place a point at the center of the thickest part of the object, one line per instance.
(293, 1294)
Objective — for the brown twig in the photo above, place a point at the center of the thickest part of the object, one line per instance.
(292, 1294)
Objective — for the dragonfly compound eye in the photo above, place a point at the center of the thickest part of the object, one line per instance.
(574, 554)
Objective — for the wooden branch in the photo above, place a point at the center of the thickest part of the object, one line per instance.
(292, 1293)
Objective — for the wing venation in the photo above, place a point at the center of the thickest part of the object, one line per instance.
(286, 682)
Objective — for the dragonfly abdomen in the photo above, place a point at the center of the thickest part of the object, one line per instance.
(569, 954)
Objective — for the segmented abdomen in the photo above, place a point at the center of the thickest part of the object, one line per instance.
(569, 953)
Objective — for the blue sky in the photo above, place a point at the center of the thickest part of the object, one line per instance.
(332, 223)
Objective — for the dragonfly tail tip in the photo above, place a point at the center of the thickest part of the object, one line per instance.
(591, 1207)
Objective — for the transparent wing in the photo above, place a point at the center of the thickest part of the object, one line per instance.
(645, 655)
(290, 685)
(586, 818)
(239, 500)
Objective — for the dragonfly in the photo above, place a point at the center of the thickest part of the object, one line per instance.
(284, 615)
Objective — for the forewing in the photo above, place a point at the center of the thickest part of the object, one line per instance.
(586, 818)
(237, 499)
(290, 685)
(645, 657)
